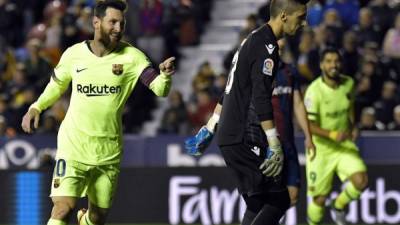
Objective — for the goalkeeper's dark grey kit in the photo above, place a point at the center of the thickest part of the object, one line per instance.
(246, 102)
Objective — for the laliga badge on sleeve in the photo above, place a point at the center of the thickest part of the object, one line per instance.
(268, 67)
(117, 69)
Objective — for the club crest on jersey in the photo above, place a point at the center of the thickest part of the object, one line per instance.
(268, 67)
(117, 69)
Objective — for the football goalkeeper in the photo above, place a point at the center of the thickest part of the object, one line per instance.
(286, 99)
(103, 73)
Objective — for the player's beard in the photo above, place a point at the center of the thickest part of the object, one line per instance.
(333, 74)
(107, 39)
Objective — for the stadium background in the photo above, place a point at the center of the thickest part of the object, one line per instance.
(159, 184)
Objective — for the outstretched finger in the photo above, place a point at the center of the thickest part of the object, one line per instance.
(169, 60)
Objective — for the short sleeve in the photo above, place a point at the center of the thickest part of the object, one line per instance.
(311, 102)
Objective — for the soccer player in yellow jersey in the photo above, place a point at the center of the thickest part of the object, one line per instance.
(103, 72)
(329, 102)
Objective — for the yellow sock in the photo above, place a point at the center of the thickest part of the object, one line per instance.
(315, 213)
(347, 195)
(56, 222)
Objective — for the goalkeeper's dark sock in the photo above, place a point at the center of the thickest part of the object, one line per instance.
(248, 217)
(56, 222)
(346, 196)
(315, 213)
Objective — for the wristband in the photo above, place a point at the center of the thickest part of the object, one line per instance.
(212, 122)
(272, 136)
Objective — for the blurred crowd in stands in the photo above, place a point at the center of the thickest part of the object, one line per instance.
(368, 36)
(34, 33)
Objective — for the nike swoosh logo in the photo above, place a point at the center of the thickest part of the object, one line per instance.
(80, 70)
(270, 48)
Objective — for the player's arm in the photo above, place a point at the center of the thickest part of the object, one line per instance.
(159, 83)
(301, 116)
(313, 114)
(58, 84)
(263, 71)
(197, 144)
(162, 83)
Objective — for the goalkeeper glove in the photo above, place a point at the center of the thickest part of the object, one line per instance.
(197, 144)
(273, 163)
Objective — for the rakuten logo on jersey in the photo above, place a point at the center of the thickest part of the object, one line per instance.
(97, 90)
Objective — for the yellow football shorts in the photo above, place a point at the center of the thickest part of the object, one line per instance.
(320, 171)
(74, 179)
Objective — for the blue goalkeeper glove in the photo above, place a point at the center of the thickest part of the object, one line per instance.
(196, 145)
(273, 163)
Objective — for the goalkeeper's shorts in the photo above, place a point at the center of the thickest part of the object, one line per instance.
(244, 161)
(74, 179)
(321, 170)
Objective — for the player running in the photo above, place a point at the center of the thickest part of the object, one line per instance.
(329, 102)
(103, 72)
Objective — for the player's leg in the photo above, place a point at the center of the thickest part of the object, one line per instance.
(244, 163)
(101, 191)
(319, 172)
(61, 211)
(292, 172)
(352, 168)
(93, 216)
(254, 206)
(68, 185)
(316, 210)
(293, 194)
(274, 207)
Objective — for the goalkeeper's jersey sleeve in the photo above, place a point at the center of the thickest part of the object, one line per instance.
(92, 129)
(330, 107)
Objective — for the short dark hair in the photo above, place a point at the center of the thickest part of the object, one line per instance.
(329, 50)
(277, 6)
(102, 5)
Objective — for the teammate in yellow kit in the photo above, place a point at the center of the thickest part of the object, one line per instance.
(329, 103)
(103, 72)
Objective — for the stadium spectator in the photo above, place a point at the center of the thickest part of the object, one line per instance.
(383, 15)
(84, 23)
(175, 118)
(395, 124)
(250, 25)
(366, 30)
(391, 44)
(7, 61)
(50, 125)
(364, 95)
(150, 21)
(334, 27)
(308, 55)
(38, 68)
(347, 9)
(368, 120)
(369, 69)
(385, 105)
(314, 13)
(202, 110)
(350, 53)
(10, 23)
